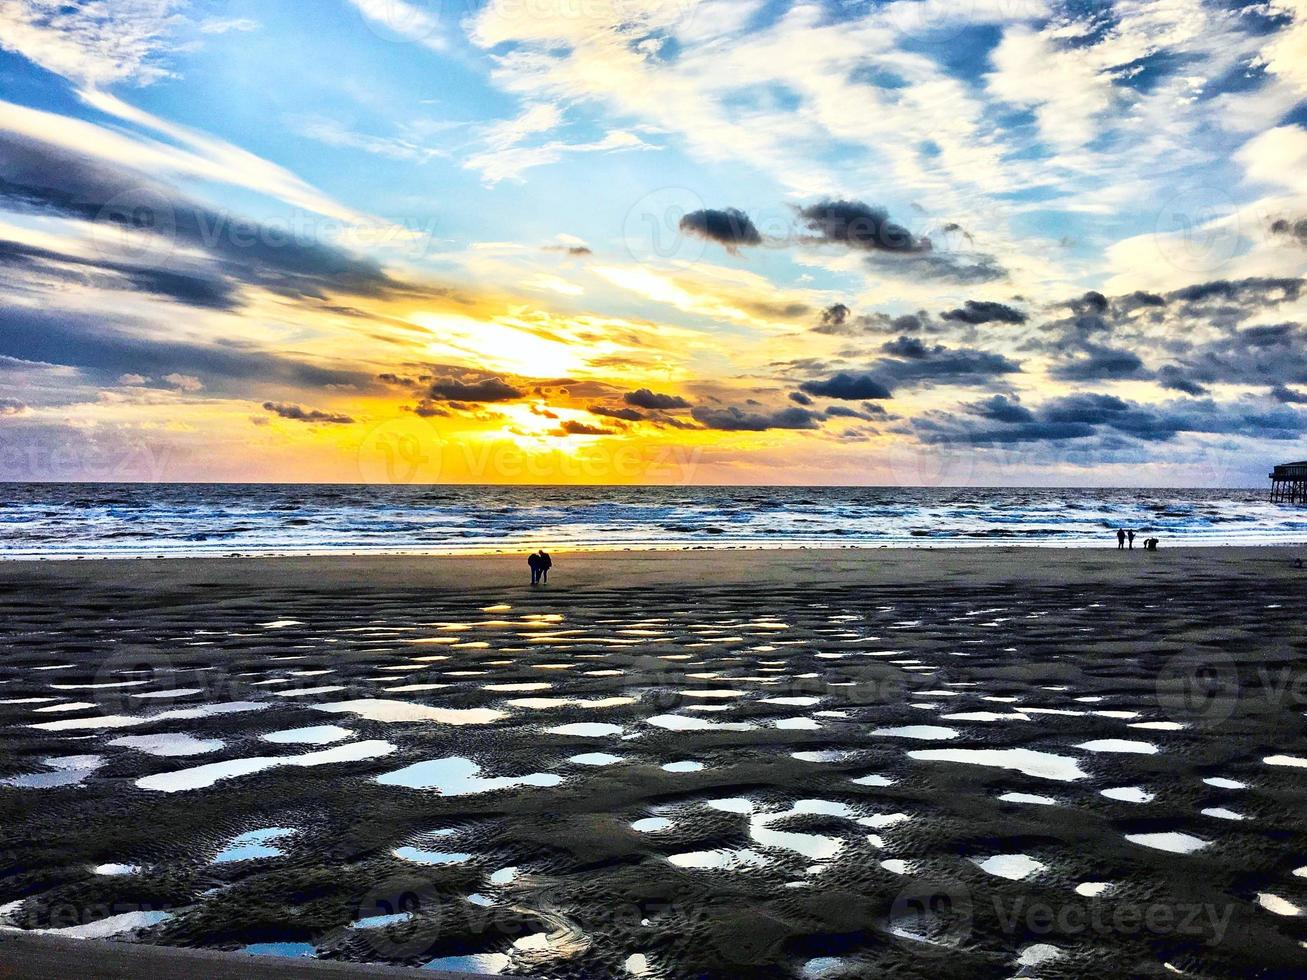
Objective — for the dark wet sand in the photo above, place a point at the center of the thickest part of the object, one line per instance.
(1208, 639)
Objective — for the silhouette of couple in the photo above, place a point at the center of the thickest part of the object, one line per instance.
(540, 564)
(1150, 544)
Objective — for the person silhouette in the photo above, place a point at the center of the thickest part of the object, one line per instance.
(533, 560)
(1120, 540)
(1130, 536)
(545, 563)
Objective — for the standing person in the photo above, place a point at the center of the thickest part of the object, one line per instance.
(1120, 540)
(534, 561)
(1130, 536)
(545, 563)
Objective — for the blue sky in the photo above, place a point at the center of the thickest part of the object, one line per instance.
(1041, 241)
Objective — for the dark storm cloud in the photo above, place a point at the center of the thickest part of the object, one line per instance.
(625, 414)
(1259, 290)
(983, 311)
(799, 398)
(729, 227)
(644, 398)
(158, 219)
(1001, 408)
(1175, 379)
(298, 413)
(844, 412)
(860, 226)
(98, 345)
(834, 317)
(193, 290)
(848, 387)
(484, 390)
(571, 428)
(732, 419)
(1295, 231)
(1290, 396)
(1100, 364)
(913, 362)
(1082, 416)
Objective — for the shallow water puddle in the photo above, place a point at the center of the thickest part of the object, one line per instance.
(311, 735)
(544, 704)
(457, 776)
(1221, 813)
(825, 755)
(873, 780)
(1220, 782)
(796, 724)
(1277, 760)
(254, 845)
(1173, 841)
(114, 870)
(1128, 794)
(1014, 867)
(986, 716)
(1028, 798)
(69, 770)
(587, 729)
(686, 766)
(202, 777)
(1092, 889)
(419, 855)
(682, 723)
(595, 759)
(1043, 765)
(717, 860)
(1276, 904)
(480, 963)
(651, 825)
(114, 925)
(1118, 745)
(935, 733)
(128, 721)
(381, 921)
(384, 710)
(169, 744)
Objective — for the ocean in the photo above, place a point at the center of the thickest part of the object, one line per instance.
(148, 520)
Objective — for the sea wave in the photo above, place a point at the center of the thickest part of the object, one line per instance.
(90, 521)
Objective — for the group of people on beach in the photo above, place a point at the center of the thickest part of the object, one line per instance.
(540, 563)
(1124, 537)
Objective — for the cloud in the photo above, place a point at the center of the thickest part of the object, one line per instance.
(1001, 408)
(982, 311)
(200, 289)
(574, 428)
(1290, 396)
(485, 390)
(626, 414)
(297, 413)
(860, 226)
(184, 382)
(100, 345)
(913, 362)
(226, 25)
(731, 228)
(1295, 231)
(91, 43)
(11, 406)
(1101, 364)
(1174, 378)
(644, 398)
(133, 211)
(733, 419)
(848, 387)
(1084, 415)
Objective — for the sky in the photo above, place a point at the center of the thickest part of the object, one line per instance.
(913, 242)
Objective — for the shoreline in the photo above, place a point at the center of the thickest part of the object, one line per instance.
(951, 545)
(620, 569)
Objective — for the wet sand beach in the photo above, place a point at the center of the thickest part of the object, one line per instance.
(984, 763)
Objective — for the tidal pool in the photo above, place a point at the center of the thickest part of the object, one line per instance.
(457, 776)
